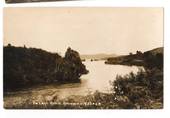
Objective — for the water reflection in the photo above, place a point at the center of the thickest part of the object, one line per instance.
(101, 73)
(97, 79)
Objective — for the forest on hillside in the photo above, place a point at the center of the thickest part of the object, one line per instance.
(25, 67)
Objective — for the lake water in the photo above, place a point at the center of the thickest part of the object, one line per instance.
(97, 79)
(101, 73)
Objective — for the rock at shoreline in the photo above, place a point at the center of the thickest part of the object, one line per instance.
(24, 67)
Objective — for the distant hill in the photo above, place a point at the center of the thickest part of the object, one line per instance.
(97, 56)
(149, 59)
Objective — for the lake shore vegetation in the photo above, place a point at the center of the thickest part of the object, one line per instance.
(143, 90)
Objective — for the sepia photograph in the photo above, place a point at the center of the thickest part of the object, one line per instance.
(83, 57)
(33, 1)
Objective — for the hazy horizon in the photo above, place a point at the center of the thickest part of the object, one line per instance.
(86, 30)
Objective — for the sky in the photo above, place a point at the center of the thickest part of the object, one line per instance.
(88, 30)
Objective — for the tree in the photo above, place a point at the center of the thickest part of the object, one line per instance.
(130, 53)
(9, 45)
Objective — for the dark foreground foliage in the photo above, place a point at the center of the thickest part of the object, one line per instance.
(144, 89)
(141, 90)
(24, 67)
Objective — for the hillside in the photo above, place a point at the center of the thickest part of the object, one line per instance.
(156, 51)
(150, 59)
(24, 67)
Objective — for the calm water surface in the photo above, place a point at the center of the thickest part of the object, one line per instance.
(97, 79)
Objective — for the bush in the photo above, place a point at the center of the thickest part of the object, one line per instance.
(139, 90)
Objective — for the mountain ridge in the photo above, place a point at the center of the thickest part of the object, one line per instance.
(97, 56)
